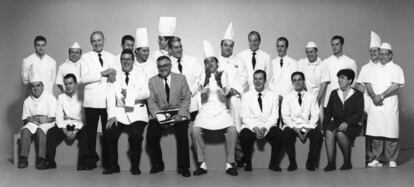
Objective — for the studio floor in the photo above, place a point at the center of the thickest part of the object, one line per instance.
(68, 176)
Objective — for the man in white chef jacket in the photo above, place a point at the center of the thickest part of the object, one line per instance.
(283, 67)
(385, 79)
(41, 63)
(374, 52)
(255, 58)
(213, 114)
(142, 63)
(39, 110)
(190, 68)
(127, 112)
(71, 65)
(127, 42)
(166, 31)
(96, 72)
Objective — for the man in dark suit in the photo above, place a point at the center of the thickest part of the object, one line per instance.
(168, 90)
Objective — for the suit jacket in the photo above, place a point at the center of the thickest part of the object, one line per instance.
(180, 95)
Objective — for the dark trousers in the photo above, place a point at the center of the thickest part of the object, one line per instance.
(315, 138)
(92, 116)
(154, 133)
(274, 137)
(135, 131)
(55, 136)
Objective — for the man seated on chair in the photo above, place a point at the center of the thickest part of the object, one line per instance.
(300, 113)
(69, 124)
(259, 115)
(39, 110)
(213, 114)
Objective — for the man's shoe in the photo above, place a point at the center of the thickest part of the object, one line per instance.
(375, 164)
(135, 171)
(157, 168)
(346, 166)
(41, 164)
(275, 168)
(292, 166)
(184, 172)
(23, 163)
(309, 166)
(199, 171)
(392, 164)
(112, 169)
(50, 165)
(330, 167)
(232, 170)
(82, 167)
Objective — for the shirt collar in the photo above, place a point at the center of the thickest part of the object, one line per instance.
(317, 62)
(341, 94)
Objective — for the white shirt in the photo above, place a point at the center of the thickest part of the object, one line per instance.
(149, 68)
(365, 71)
(236, 71)
(251, 114)
(262, 62)
(44, 67)
(157, 54)
(192, 70)
(137, 92)
(315, 74)
(334, 64)
(66, 68)
(297, 116)
(281, 82)
(117, 63)
(95, 84)
(69, 111)
(45, 105)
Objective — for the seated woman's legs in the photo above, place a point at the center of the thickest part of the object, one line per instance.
(344, 144)
(330, 144)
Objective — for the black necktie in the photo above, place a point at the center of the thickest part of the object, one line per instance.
(254, 60)
(281, 62)
(126, 77)
(100, 59)
(167, 89)
(300, 98)
(180, 67)
(260, 102)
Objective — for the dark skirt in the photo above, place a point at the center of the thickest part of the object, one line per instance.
(351, 132)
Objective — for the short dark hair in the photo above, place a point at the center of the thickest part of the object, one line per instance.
(297, 73)
(163, 57)
(283, 39)
(255, 32)
(338, 37)
(127, 37)
(39, 38)
(205, 60)
(260, 71)
(166, 37)
(172, 40)
(70, 76)
(128, 51)
(348, 73)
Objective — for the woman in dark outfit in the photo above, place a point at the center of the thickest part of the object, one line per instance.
(342, 116)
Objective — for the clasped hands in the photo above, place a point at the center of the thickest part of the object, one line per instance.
(260, 132)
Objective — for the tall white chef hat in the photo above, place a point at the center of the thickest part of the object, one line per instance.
(167, 26)
(386, 45)
(75, 46)
(33, 76)
(141, 37)
(208, 49)
(375, 40)
(229, 34)
(311, 44)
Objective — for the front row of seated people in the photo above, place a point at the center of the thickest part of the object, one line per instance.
(129, 96)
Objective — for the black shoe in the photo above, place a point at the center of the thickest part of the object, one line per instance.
(23, 163)
(346, 166)
(275, 168)
(157, 168)
(82, 167)
(248, 166)
(135, 171)
(292, 166)
(309, 166)
(112, 169)
(233, 170)
(41, 164)
(184, 172)
(199, 171)
(50, 165)
(330, 167)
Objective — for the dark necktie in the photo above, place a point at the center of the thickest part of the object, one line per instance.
(100, 59)
(260, 102)
(167, 89)
(281, 62)
(300, 98)
(254, 60)
(126, 77)
(180, 67)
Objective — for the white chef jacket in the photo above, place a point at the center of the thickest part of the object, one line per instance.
(95, 84)
(213, 114)
(262, 62)
(192, 70)
(236, 70)
(69, 107)
(383, 121)
(137, 92)
(149, 68)
(281, 82)
(44, 67)
(315, 74)
(298, 116)
(117, 63)
(45, 105)
(362, 78)
(66, 68)
(334, 64)
(251, 114)
(157, 54)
